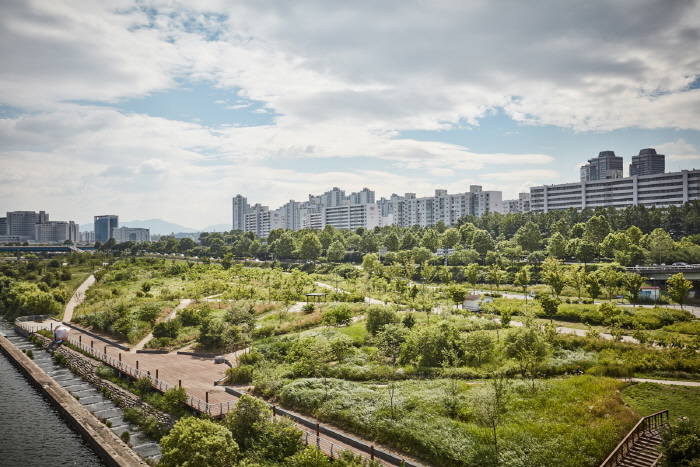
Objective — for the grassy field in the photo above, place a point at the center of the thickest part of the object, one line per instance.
(648, 398)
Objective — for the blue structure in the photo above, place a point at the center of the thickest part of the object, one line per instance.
(104, 226)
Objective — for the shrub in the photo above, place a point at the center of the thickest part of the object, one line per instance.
(133, 415)
(143, 385)
(240, 375)
(339, 315)
(250, 358)
(174, 399)
(125, 436)
(308, 308)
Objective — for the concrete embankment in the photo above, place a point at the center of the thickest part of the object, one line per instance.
(107, 445)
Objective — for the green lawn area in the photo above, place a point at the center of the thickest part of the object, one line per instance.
(649, 398)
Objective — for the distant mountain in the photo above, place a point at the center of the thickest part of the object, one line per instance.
(156, 226)
(218, 228)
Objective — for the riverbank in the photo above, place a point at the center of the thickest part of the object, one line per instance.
(107, 445)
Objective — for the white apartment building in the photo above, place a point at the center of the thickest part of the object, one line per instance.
(240, 209)
(660, 190)
(261, 220)
(56, 232)
(351, 216)
(131, 234)
(22, 224)
(522, 204)
(88, 236)
(360, 210)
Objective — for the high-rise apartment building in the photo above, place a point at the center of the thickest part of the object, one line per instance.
(104, 226)
(648, 162)
(240, 209)
(22, 224)
(57, 232)
(131, 234)
(606, 166)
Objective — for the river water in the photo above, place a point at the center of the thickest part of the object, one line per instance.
(32, 433)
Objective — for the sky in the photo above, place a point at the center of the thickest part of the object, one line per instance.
(167, 109)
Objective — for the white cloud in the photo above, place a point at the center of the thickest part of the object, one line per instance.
(678, 151)
(522, 175)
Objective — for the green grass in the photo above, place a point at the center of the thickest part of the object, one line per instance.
(648, 398)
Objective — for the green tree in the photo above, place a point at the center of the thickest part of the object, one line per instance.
(198, 442)
(247, 421)
(390, 339)
(310, 248)
(577, 278)
(285, 245)
(338, 315)
(369, 243)
(482, 242)
(311, 456)
(431, 240)
(336, 252)
(633, 285)
(496, 276)
(479, 345)
(659, 244)
(522, 279)
(527, 347)
(471, 273)
(557, 246)
(456, 293)
(451, 237)
(372, 265)
(553, 275)
(227, 261)
(678, 288)
(585, 251)
(549, 305)
(597, 228)
(610, 279)
(392, 242)
(377, 317)
(529, 236)
(593, 285)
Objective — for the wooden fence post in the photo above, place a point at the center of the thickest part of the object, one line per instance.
(92, 344)
(179, 383)
(120, 356)
(206, 397)
(137, 364)
(156, 373)
(80, 338)
(371, 452)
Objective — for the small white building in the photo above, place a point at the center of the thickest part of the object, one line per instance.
(473, 302)
(649, 293)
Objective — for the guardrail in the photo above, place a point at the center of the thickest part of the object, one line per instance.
(312, 433)
(317, 430)
(650, 422)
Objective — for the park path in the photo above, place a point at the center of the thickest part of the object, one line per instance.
(183, 303)
(77, 298)
(663, 381)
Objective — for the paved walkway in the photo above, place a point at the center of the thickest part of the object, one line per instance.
(183, 303)
(77, 298)
(663, 381)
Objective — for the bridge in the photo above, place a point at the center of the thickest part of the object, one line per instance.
(46, 249)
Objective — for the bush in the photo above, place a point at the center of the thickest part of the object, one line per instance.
(125, 436)
(339, 315)
(250, 358)
(240, 375)
(168, 328)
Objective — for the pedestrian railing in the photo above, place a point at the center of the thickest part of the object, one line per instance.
(312, 431)
(651, 422)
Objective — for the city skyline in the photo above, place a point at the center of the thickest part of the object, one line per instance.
(167, 110)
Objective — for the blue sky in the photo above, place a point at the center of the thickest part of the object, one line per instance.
(167, 109)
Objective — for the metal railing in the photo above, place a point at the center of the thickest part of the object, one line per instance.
(220, 409)
(650, 422)
(211, 409)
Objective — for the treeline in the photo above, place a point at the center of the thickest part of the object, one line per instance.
(634, 235)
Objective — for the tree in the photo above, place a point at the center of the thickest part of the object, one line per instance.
(483, 242)
(522, 279)
(285, 245)
(678, 288)
(392, 242)
(197, 441)
(557, 246)
(597, 228)
(390, 339)
(227, 261)
(680, 444)
(471, 273)
(246, 421)
(659, 244)
(456, 293)
(377, 317)
(463, 257)
(593, 286)
(479, 344)
(451, 237)
(336, 252)
(553, 275)
(310, 248)
(529, 237)
(528, 347)
(372, 265)
(431, 240)
(610, 279)
(577, 278)
(633, 283)
(369, 243)
(549, 305)
(339, 315)
(585, 251)
(489, 403)
(496, 275)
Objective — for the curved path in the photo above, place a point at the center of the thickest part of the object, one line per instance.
(171, 315)
(77, 298)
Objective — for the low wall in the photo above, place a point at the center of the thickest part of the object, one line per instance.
(85, 367)
(96, 336)
(107, 444)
